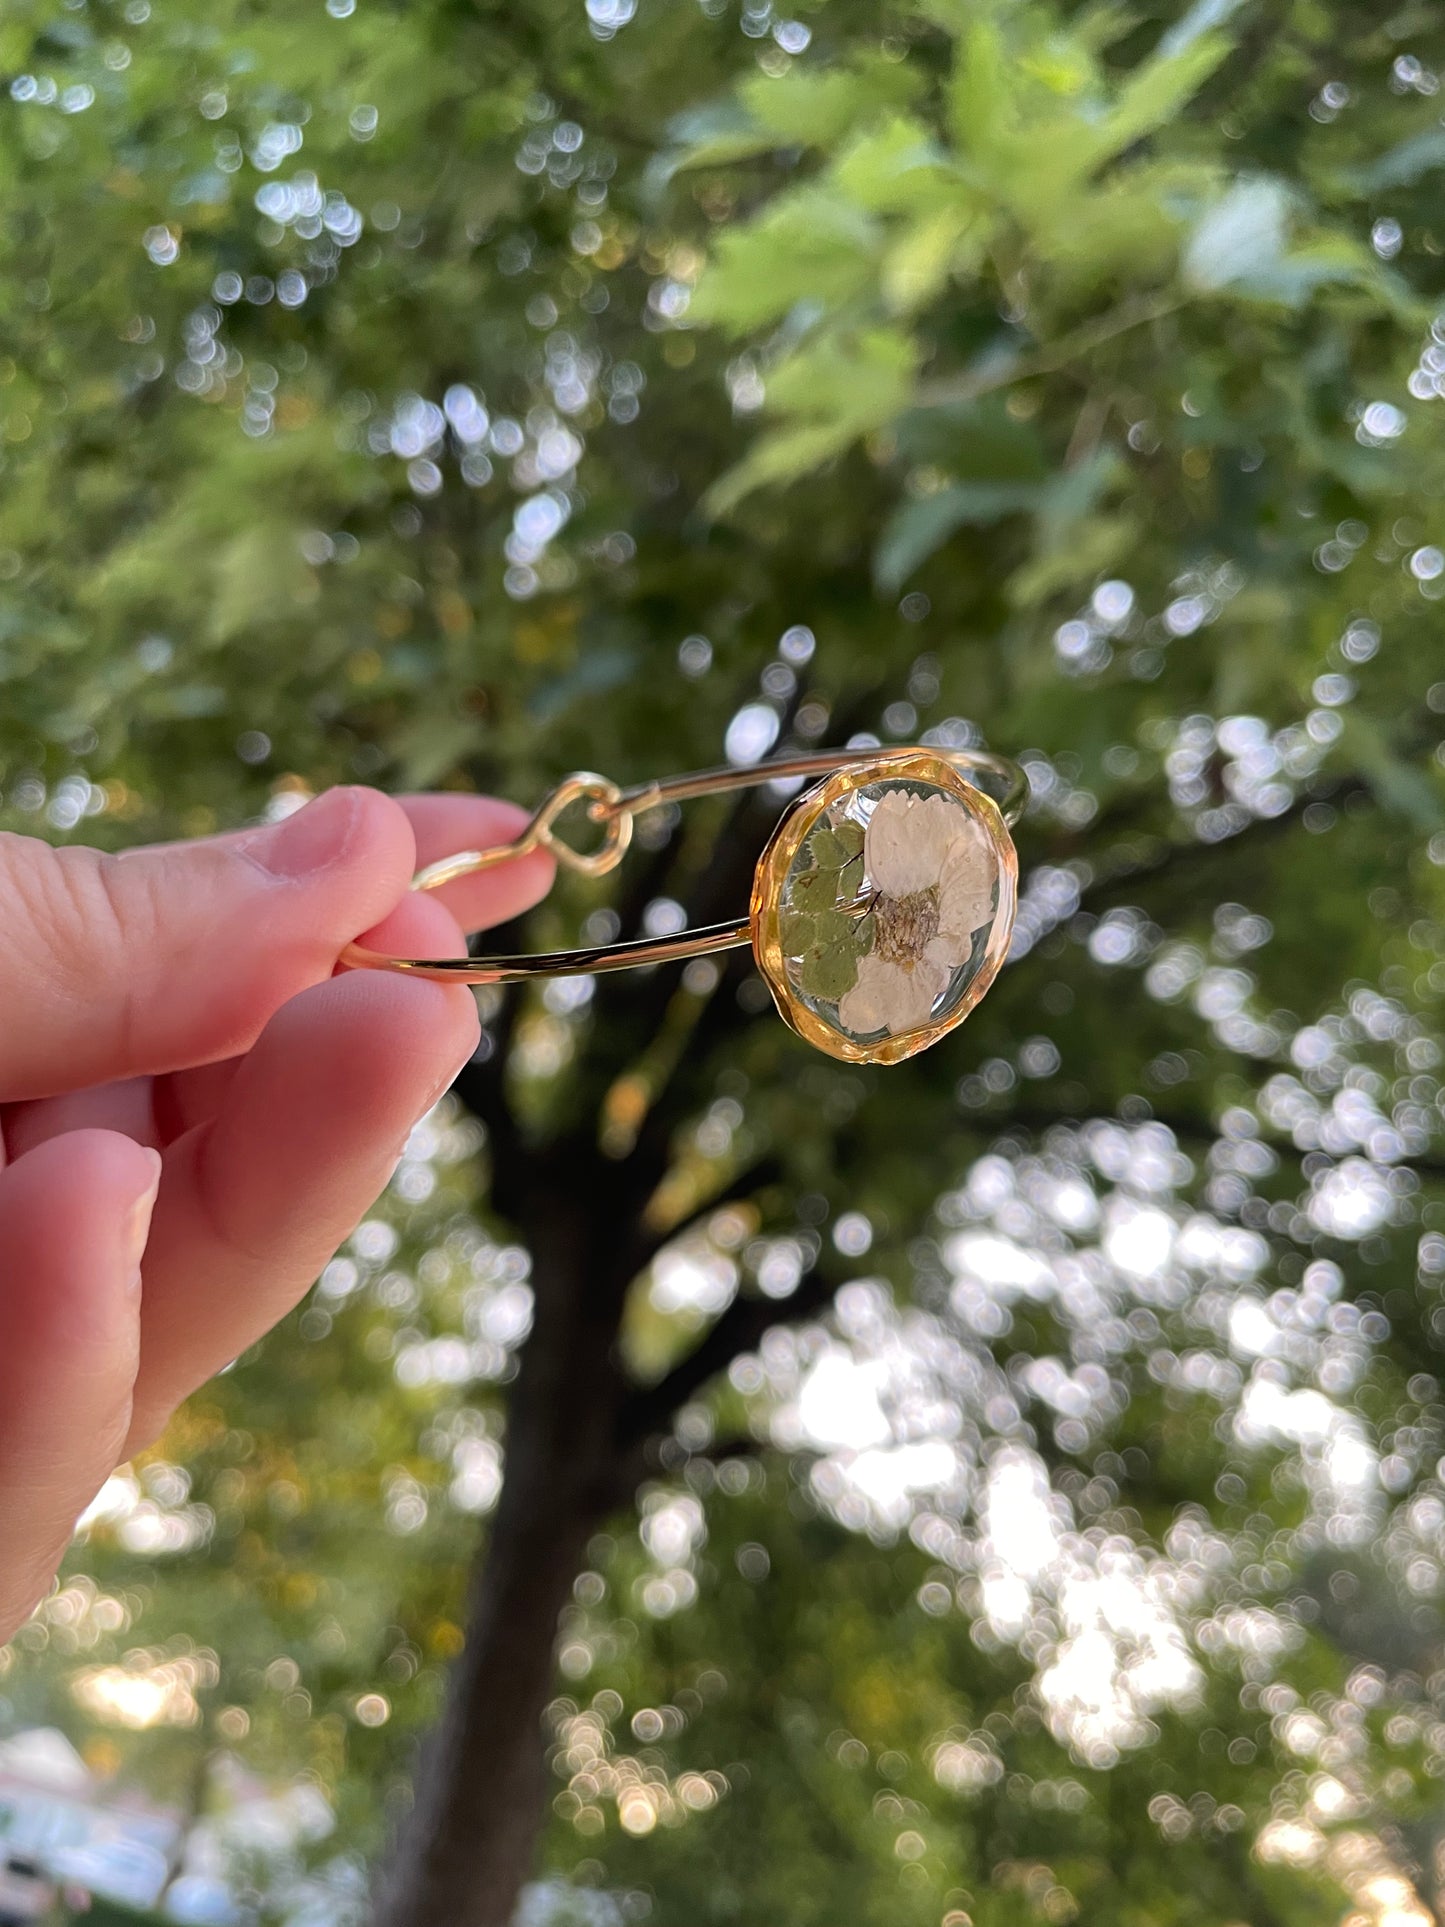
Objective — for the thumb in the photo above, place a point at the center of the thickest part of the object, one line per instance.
(166, 957)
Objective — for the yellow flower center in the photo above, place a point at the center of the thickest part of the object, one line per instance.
(905, 926)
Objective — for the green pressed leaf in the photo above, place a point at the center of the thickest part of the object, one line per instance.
(796, 932)
(814, 890)
(829, 974)
(829, 850)
(831, 928)
(850, 835)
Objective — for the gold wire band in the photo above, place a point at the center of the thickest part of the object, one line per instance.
(615, 808)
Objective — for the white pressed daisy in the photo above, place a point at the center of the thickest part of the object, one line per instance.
(933, 870)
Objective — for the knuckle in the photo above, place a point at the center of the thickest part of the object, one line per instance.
(80, 924)
(58, 903)
(220, 1220)
(78, 918)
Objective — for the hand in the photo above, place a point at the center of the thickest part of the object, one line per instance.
(195, 1110)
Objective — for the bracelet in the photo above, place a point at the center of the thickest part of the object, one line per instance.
(882, 903)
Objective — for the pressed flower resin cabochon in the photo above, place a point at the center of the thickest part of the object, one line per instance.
(882, 907)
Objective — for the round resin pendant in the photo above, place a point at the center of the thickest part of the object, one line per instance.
(882, 907)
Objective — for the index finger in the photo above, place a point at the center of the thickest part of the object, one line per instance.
(444, 824)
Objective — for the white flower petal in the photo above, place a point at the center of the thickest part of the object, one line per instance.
(889, 853)
(863, 1008)
(887, 996)
(911, 994)
(949, 948)
(939, 826)
(910, 838)
(965, 889)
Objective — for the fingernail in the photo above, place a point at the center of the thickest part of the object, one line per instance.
(309, 840)
(438, 1092)
(137, 1224)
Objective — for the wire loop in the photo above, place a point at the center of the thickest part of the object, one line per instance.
(602, 797)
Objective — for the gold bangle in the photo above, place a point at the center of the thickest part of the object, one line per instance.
(882, 904)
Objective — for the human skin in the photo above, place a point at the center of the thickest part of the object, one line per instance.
(196, 1107)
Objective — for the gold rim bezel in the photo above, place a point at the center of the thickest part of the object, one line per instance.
(777, 860)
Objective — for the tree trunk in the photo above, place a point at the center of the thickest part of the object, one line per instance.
(470, 1842)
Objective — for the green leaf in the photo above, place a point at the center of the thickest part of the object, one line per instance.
(980, 93)
(1401, 786)
(1242, 235)
(259, 576)
(845, 387)
(864, 379)
(831, 928)
(1095, 547)
(603, 667)
(814, 890)
(432, 747)
(709, 137)
(1128, 226)
(977, 441)
(1074, 492)
(796, 932)
(1241, 243)
(1155, 93)
(895, 168)
(829, 974)
(806, 109)
(800, 108)
(778, 458)
(1201, 18)
(929, 251)
(914, 531)
(808, 245)
(1334, 259)
(1399, 166)
(828, 851)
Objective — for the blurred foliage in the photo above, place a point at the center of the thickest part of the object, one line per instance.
(444, 394)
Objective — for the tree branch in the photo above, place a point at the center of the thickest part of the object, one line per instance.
(1164, 855)
(646, 1244)
(1047, 360)
(740, 1329)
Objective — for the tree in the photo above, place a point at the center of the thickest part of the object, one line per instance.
(435, 396)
